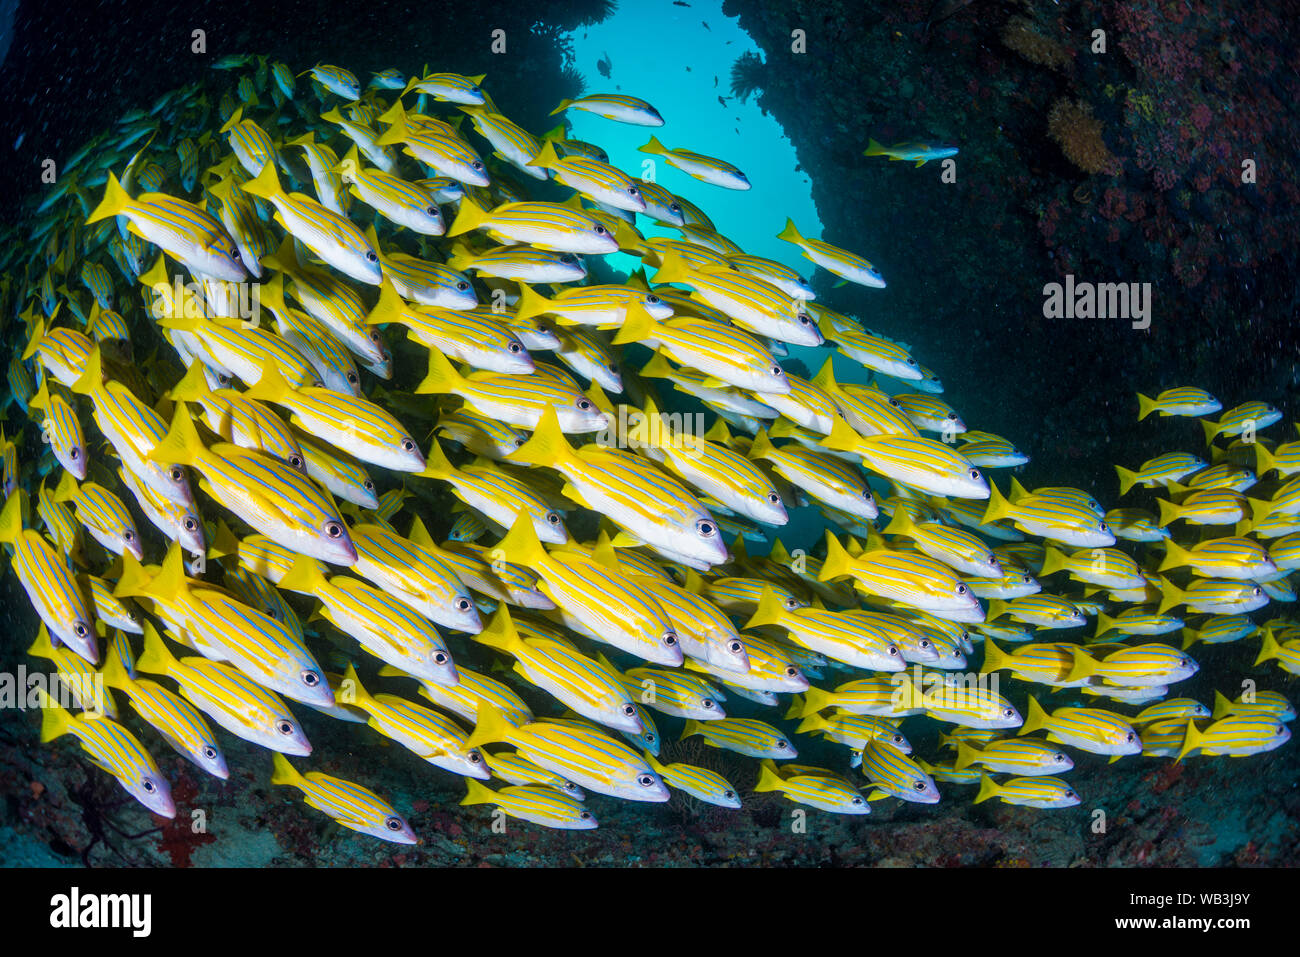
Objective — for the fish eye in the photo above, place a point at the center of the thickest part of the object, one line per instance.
(645, 780)
(80, 630)
(334, 530)
(393, 823)
(782, 743)
(74, 453)
(653, 300)
(805, 319)
(431, 210)
(974, 475)
(284, 727)
(371, 257)
(924, 643)
(918, 785)
(149, 786)
(464, 604)
(791, 604)
(584, 405)
(295, 461)
(675, 207)
(128, 536)
(1256, 591)
(705, 528)
(1058, 757)
(476, 165)
(373, 335)
(961, 589)
(408, 445)
(514, 348)
(1008, 712)
(792, 672)
(474, 757)
(353, 378)
(1029, 579)
(210, 752)
(1130, 737)
(175, 474)
(776, 370)
(670, 639)
(310, 678)
(706, 703)
(190, 524)
(552, 518)
(1101, 527)
(893, 650)
(440, 658)
(735, 647)
(585, 816)
(911, 362)
(628, 710)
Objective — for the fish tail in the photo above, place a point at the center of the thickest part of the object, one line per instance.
(1082, 665)
(1053, 561)
(768, 779)
(1192, 740)
(761, 447)
(1146, 406)
(352, 685)
(1269, 649)
(558, 133)
(654, 146)
(55, 721)
(873, 148)
(42, 647)
(1127, 478)
(655, 765)
(1035, 719)
(155, 659)
(500, 633)
(34, 339)
(638, 325)
(235, 119)
(442, 376)
(901, 524)
(304, 575)
(1222, 706)
(181, 445)
(998, 507)
(1175, 556)
(995, 659)
(692, 727)
(284, 772)
(437, 465)
(1168, 512)
(115, 674)
(768, 611)
(988, 789)
(546, 157)
(838, 561)
(812, 722)
(491, 727)
(1263, 459)
(672, 268)
(531, 303)
(469, 217)
(790, 233)
(271, 386)
(11, 518)
(564, 105)
(266, 184)
(815, 700)
(477, 794)
(1211, 430)
(547, 446)
(115, 201)
(966, 756)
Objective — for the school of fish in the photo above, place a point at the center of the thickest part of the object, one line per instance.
(213, 295)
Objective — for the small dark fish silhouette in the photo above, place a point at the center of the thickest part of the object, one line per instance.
(706, 26)
(722, 100)
(688, 69)
(715, 82)
(680, 3)
(604, 65)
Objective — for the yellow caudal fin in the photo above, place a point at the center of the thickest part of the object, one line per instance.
(265, 184)
(91, 379)
(1192, 740)
(657, 367)
(1264, 460)
(55, 721)
(1054, 560)
(996, 608)
(547, 446)
(1145, 406)
(843, 437)
(1104, 624)
(790, 234)
(692, 727)
(1168, 512)
(768, 611)
(638, 326)
(655, 765)
(114, 671)
(442, 376)
(11, 517)
(995, 659)
(351, 691)
(390, 306)
(768, 779)
(1127, 479)
(1175, 556)
(193, 386)
(155, 659)
(1035, 719)
(42, 647)
(998, 507)
(873, 148)
(1082, 665)
(901, 523)
(812, 722)
(469, 217)
(546, 157)
(437, 465)
(181, 445)
(492, 727)
(531, 303)
(1222, 706)
(654, 146)
(476, 793)
(304, 575)
(838, 563)
(761, 447)
(500, 633)
(170, 581)
(815, 700)
(521, 546)
(564, 105)
(1269, 648)
(271, 385)
(284, 772)
(988, 789)
(966, 756)
(235, 119)
(115, 201)
(673, 268)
